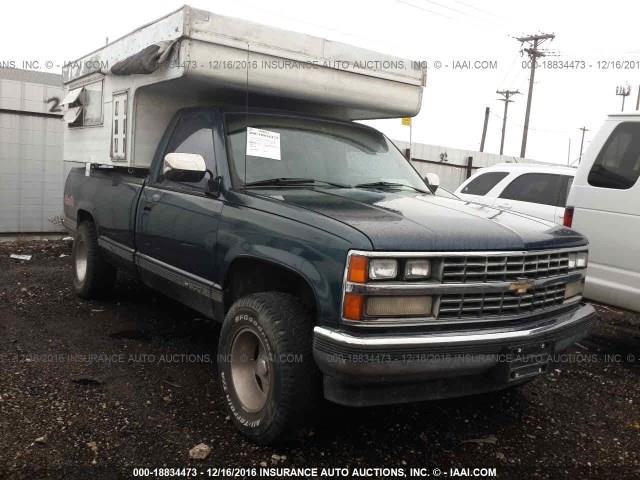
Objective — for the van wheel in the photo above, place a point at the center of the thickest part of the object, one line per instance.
(92, 275)
(265, 365)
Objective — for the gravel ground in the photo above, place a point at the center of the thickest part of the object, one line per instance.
(96, 388)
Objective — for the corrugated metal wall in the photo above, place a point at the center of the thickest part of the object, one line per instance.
(32, 171)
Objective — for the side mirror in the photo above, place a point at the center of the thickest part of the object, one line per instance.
(433, 181)
(184, 167)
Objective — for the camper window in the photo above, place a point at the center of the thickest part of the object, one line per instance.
(119, 127)
(84, 105)
(92, 104)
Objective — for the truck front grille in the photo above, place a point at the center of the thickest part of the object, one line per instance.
(472, 288)
(477, 269)
(505, 303)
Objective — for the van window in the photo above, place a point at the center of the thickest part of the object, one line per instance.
(542, 188)
(483, 183)
(618, 163)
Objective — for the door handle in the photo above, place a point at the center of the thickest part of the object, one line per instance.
(505, 206)
(155, 197)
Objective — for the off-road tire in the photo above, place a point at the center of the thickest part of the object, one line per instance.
(285, 328)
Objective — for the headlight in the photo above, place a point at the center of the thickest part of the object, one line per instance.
(578, 260)
(414, 269)
(383, 268)
(581, 259)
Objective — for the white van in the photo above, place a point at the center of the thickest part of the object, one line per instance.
(539, 190)
(604, 204)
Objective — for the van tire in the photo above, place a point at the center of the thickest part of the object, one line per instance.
(93, 276)
(265, 366)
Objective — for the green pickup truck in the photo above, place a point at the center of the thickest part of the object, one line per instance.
(333, 268)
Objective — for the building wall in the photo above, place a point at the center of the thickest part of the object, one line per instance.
(32, 171)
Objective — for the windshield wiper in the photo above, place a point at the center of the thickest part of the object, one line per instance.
(389, 184)
(291, 181)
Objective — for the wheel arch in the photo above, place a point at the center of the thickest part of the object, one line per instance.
(240, 279)
(84, 215)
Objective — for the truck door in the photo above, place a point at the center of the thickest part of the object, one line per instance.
(177, 222)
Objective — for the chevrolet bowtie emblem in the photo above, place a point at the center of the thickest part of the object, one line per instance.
(522, 286)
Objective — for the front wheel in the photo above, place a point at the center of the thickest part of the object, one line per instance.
(265, 365)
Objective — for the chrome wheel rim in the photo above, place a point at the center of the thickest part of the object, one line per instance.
(251, 371)
(81, 259)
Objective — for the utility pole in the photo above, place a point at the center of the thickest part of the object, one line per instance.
(569, 153)
(506, 94)
(484, 128)
(534, 41)
(624, 92)
(584, 129)
(638, 100)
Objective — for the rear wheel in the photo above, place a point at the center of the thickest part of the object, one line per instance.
(265, 365)
(93, 276)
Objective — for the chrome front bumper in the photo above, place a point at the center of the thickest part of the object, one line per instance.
(372, 368)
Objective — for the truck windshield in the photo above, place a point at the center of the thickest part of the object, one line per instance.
(290, 151)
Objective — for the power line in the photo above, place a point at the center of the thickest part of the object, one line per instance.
(473, 7)
(534, 129)
(424, 9)
(511, 67)
(533, 52)
(473, 19)
(449, 8)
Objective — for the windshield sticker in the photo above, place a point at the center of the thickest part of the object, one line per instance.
(263, 143)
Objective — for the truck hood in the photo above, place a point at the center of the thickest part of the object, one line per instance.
(407, 221)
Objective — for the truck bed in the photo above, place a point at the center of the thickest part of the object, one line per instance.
(110, 195)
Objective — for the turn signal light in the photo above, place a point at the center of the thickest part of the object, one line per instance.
(353, 306)
(358, 269)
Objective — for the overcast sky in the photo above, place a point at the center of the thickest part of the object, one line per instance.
(433, 30)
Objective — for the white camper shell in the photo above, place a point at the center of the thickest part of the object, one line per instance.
(120, 98)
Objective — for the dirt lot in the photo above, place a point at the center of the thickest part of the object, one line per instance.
(92, 389)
